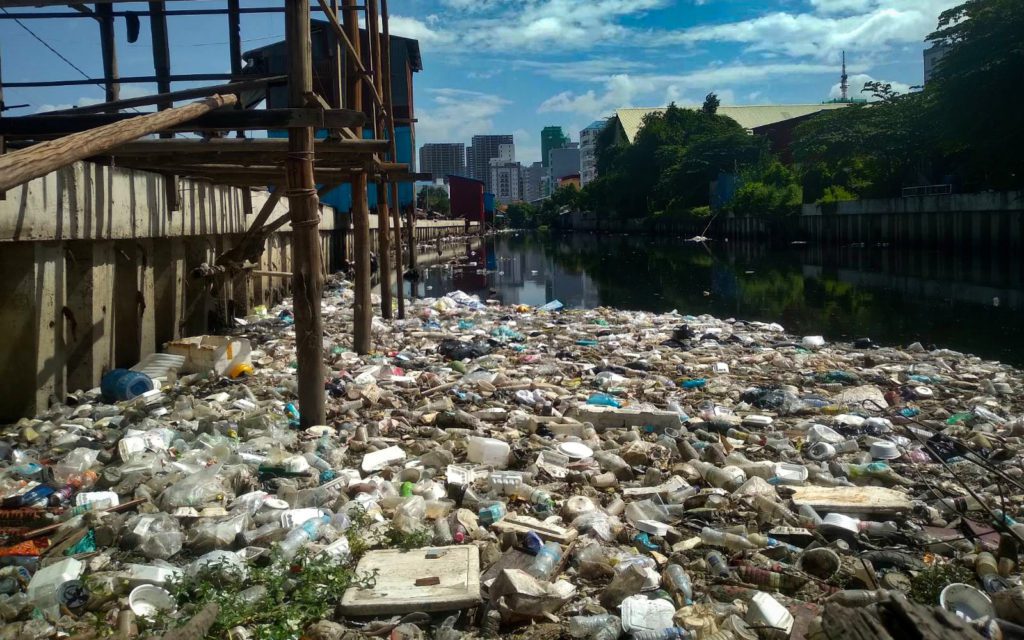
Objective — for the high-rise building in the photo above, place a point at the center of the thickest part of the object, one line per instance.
(533, 182)
(565, 162)
(588, 151)
(932, 56)
(551, 138)
(507, 180)
(479, 155)
(443, 159)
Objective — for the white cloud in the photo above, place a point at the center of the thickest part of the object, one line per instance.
(455, 114)
(527, 147)
(626, 90)
(428, 37)
(81, 102)
(856, 87)
(586, 69)
(881, 26)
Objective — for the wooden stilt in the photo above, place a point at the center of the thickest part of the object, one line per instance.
(379, 132)
(385, 49)
(162, 68)
(307, 281)
(105, 15)
(362, 308)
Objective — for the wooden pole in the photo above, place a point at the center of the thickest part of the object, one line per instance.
(342, 219)
(362, 308)
(307, 283)
(235, 45)
(380, 132)
(162, 68)
(105, 14)
(3, 143)
(390, 107)
(21, 166)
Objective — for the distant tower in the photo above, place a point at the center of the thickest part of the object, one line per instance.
(844, 85)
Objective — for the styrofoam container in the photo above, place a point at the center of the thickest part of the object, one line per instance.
(766, 611)
(966, 601)
(460, 475)
(640, 614)
(652, 527)
(789, 473)
(147, 600)
(219, 354)
(576, 450)
(488, 451)
(139, 574)
(884, 450)
(377, 460)
(292, 518)
(840, 521)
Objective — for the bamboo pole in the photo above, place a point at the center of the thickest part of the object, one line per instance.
(21, 166)
(307, 282)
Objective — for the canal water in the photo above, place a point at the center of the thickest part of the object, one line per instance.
(968, 301)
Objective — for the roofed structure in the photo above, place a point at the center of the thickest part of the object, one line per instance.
(749, 117)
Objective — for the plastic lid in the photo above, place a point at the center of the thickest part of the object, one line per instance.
(576, 450)
(884, 450)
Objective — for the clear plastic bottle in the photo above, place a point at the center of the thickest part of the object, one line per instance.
(717, 564)
(443, 532)
(715, 538)
(299, 536)
(679, 584)
(604, 627)
(545, 561)
(671, 633)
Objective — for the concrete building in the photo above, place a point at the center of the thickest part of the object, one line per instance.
(507, 180)
(481, 150)
(443, 159)
(551, 138)
(932, 55)
(564, 162)
(533, 181)
(588, 150)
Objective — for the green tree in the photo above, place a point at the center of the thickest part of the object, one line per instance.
(434, 198)
(979, 89)
(521, 215)
(711, 103)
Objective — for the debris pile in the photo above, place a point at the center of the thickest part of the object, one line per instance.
(506, 470)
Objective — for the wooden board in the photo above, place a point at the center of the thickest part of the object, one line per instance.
(851, 500)
(455, 570)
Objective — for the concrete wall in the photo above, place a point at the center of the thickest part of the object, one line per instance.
(96, 273)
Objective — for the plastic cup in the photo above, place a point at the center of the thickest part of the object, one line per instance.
(147, 601)
(966, 602)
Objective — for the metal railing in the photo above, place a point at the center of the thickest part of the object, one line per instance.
(928, 190)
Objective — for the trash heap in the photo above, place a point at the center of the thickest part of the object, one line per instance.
(497, 471)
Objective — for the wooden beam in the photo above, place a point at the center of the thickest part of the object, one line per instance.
(54, 3)
(45, 124)
(78, 82)
(307, 283)
(261, 145)
(389, 108)
(352, 45)
(104, 13)
(362, 309)
(174, 96)
(162, 68)
(21, 166)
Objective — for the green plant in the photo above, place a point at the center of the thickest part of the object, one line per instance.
(290, 597)
(835, 193)
(926, 585)
(408, 540)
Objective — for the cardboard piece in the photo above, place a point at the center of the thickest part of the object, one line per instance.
(525, 524)
(429, 579)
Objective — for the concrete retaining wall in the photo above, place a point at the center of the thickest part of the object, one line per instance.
(95, 273)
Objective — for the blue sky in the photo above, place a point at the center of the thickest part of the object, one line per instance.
(514, 66)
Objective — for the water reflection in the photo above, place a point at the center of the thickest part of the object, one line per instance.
(971, 301)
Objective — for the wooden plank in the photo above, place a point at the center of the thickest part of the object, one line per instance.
(174, 96)
(262, 145)
(41, 125)
(430, 579)
(78, 82)
(852, 500)
(55, 3)
(21, 166)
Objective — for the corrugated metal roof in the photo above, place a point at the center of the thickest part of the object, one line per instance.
(748, 116)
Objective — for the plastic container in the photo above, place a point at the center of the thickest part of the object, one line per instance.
(488, 451)
(219, 354)
(600, 627)
(43, 588)
(118, 385)
(764, 610)
(641, 614)
(296, 538)
(147, 601)
(884, 450)
(966, 602)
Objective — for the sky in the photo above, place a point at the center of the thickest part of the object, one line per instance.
(515, 66)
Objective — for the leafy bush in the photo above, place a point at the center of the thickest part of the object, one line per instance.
(835, 193)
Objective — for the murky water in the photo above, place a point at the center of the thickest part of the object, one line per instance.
(969, 301)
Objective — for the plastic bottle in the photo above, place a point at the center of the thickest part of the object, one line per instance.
(603, 400)
(317, 462)
(858, 597)
(715, 538)
(29, 498)
(443, 532)
(600, 627)
(545, 561)
(671, 633)
(717, 564)
(491, 513)
(679, 584)
(299, 536)
(809, 518)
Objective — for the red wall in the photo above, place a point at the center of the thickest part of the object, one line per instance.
(467, 198)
